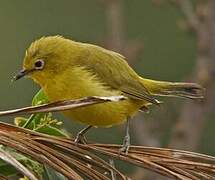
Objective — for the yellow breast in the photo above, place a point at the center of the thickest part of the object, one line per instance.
(81, 83)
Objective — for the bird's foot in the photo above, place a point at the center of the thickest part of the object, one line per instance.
(126, 145)
(80, 138)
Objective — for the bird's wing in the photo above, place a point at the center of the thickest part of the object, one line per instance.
(112, 69)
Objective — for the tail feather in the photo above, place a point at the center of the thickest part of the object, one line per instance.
(162, 88)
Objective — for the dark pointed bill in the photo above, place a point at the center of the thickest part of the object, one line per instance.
(21, 74)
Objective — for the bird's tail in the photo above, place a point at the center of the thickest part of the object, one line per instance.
(162, 88)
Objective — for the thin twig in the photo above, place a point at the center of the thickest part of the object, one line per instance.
(74, 161)
(62, 105)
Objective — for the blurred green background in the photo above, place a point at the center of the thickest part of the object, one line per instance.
(168, 52)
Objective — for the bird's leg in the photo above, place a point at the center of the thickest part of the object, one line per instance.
(80, 138)
(126, 141)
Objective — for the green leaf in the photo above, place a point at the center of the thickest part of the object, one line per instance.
(33, 165)
(7, 169)
(20, 121)
(48, 129)
(40, 98)
(33, 121)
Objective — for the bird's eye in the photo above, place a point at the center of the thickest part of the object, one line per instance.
(39, 64)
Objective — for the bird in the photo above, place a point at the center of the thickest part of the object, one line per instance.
(67, 69)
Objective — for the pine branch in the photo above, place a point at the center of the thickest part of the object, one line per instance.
(78, 161)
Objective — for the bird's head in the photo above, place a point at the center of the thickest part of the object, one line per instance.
(46, 58)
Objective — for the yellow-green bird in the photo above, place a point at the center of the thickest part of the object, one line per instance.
(66, 69)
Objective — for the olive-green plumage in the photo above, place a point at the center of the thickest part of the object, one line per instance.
(72, 70)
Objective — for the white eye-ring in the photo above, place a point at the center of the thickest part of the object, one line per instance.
(39, 64)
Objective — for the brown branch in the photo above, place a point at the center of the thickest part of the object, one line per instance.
(62, 105)
(75, 161)
(3, 178)
(187, 9)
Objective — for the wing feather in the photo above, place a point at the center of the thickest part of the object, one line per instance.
(113, 70)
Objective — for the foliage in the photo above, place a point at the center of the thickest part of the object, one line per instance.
(40, 122)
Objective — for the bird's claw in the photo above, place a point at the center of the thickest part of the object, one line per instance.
(80, 138)
(126, 145)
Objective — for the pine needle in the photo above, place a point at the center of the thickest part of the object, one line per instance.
(80, 161)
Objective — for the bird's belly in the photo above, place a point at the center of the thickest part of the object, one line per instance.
(76, 86)
(105, 115)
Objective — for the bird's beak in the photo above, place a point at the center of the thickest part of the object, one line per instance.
(21, 74)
